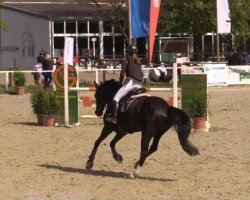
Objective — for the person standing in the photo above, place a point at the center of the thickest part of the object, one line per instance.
(37, 71)
(131, 67)
(47, 65)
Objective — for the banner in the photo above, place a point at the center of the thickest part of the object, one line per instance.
(223, 17)
(68, 50)
(139, 18)
(154, 14)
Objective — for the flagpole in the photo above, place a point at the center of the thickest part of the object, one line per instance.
(129, 21)
(217, 34)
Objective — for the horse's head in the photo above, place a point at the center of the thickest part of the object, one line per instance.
(104, 95)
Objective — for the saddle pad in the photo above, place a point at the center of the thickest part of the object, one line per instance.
(139, 95)
(124, 107)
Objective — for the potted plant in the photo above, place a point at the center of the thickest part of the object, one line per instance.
(198, 108)
(19, 81)
(45, 106)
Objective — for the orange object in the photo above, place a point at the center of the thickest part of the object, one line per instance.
(170, 101)
(87, 101)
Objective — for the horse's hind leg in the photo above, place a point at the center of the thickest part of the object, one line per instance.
(153, 148)
(105, 132)
(144, 154)
(116, 155)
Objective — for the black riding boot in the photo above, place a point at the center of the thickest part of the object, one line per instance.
(113, 118)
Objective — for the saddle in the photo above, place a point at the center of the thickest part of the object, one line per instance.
(128, 99)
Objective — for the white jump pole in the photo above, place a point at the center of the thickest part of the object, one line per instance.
(68, 59)
(175, 86)
(66, 95)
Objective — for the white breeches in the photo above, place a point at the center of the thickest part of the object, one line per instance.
(125, 89)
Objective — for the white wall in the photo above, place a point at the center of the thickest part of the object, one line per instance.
(28, 33)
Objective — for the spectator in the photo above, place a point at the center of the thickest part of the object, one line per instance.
(245, 59)
(47, 65)
(234, 58)
(37, 71)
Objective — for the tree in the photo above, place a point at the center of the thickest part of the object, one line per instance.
(240, 17)
(199, 17)
(3, 26)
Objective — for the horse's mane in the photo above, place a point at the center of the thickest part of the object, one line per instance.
(112, 83)
(110, 86)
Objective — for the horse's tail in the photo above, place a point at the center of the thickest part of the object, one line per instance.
(183, 125)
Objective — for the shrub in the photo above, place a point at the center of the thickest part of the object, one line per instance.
(198, 106)
(44, 102)
(19, 78)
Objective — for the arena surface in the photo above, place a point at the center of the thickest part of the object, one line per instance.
(40, 163)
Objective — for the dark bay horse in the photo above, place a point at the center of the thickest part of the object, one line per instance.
(149, 114)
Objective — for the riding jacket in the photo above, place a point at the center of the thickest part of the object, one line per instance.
(132, 71)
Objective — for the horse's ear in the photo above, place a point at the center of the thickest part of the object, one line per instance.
(96, 85)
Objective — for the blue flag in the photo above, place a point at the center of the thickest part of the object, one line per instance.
(139, 12)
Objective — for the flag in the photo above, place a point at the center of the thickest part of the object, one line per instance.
(154, 14)
(223, 17)
(139, 18)
(68, 50)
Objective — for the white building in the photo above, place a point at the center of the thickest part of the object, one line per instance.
(33, 26)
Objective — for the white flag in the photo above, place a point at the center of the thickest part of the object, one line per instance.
(68, 50)
(223, 17)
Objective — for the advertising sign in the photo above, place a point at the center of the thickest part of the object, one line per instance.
(72, 95)
(216, 74)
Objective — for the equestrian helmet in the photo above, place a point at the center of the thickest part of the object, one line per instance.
(132, 49)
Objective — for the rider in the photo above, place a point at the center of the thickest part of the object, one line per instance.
(131, 66)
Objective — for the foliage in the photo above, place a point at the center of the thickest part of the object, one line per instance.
(44, 102)
(179, 16)
(116, 14)
(195, 17)
(86, 84)
(198, 106)
(19, 78)
(199, 17)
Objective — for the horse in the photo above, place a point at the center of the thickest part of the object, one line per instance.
(162, 75)
(150, 115)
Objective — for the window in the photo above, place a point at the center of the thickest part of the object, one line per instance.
(82, 27)
(119, 45)
(107, 26)
(71, 27)
(94, 27)
(82, 45)
(108, 46)
(58, 42)
(58, 27)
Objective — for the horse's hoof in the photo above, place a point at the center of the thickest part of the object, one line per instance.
(119, 158)
(89, 165)
(133, 175)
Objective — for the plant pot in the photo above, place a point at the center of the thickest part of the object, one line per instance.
(46, 120)
(20, 90)
(199, 124)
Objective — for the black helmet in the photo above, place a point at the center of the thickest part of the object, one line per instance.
(132, 49)
(43, 52)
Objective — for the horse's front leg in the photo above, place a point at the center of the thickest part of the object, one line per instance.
(118, 136)
(107, 129)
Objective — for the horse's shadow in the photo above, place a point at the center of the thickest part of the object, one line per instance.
(103, 173)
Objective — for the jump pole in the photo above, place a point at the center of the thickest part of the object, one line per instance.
(175, 86)
(68, 59)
